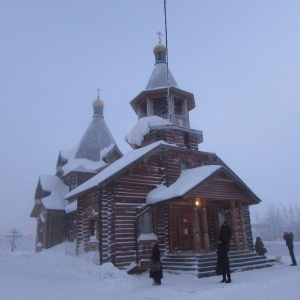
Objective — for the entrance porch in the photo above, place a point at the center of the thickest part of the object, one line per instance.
(194, 225)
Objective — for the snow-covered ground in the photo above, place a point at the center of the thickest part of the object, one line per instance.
(57, 274)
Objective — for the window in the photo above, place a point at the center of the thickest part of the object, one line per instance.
(160, 106)
(183, 166)
(145, 221)
(160, 56)
(74, 181)
(93, 228)
(178, 106)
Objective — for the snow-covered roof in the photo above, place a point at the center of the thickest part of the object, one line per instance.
(82, 165)
(71, 207)
(158, 78)
(142, 128)
(95, 144)
(115, 167)
(186, 181)
(57, 189)
(67, 154)
(86, 165)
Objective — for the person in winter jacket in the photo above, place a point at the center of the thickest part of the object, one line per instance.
(223, 267)
(156, 266)
(225, 234)
(288, 237)
(259, 246)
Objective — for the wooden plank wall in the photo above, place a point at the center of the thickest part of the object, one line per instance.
(221, 191)
(131, 190)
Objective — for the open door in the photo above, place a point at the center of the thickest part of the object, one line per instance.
(186, 231)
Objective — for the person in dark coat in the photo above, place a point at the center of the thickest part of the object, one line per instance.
(225, 234)
(223, 267)
(260, 247)
(288, 237)
(156, 266)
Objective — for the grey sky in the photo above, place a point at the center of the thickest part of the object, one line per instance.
(241, 59)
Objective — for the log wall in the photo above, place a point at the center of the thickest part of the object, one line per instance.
(118, 202)
(53, 228)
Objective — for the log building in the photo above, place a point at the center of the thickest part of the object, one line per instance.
(165, 189)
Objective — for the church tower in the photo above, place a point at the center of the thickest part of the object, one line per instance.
(163, 98)
(56, 217)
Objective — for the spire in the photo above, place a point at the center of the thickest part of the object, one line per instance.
(97, 136)
(159, 77)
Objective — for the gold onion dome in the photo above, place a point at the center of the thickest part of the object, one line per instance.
(159, 48)
(98, 102)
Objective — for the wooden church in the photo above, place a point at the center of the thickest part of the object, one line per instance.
(164, 190)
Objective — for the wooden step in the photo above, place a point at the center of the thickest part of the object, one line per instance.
(203, 265)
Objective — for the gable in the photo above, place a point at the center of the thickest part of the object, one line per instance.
(224, 186)
(211, 182)
(117, 168)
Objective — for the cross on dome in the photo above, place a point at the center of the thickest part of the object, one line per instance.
(159, 36)
(98, 93)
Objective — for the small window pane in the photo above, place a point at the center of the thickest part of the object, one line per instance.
(146, 223)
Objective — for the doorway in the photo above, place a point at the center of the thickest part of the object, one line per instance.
(186, 231)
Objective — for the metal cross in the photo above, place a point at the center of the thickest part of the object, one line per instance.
(159, 36)
(98, 93)
(14, 232)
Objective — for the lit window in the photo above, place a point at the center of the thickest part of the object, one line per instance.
(93, 227)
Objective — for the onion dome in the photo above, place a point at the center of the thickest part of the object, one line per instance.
(98, 107)
(160, 52)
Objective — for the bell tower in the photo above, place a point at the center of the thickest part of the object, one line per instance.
(163, 98)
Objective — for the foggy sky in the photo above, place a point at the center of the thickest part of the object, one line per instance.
(241, 59)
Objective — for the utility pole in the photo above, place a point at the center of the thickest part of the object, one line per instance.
(13, 236)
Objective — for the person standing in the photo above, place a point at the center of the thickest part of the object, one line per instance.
(223, 267)
(156, 266)
(225, 234)
(288, 237)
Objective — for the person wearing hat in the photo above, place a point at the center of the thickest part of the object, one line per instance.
(156, 266)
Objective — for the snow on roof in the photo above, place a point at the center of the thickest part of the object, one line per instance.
(142, 127)
(68, 154)
(186, 181)
(57, 188)
(71, 207)
(86, 165)
(115, 167)
(82, 165)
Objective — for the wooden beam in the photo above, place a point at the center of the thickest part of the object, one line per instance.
(205, 226)
(171, 238)
(197, 238)
(234, 223)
